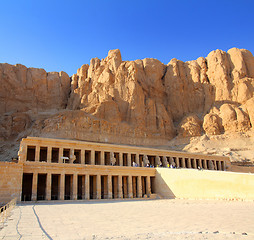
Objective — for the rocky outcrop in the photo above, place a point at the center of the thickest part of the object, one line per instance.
(190, 126)
(212, 124)
(23, 89)
(157, 98)
(132, 102)
(13, 124)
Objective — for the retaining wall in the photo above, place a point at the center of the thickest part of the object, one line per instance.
(203, 184)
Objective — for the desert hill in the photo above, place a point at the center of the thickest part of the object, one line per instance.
(203, 105)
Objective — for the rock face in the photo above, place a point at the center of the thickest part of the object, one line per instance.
(131, 102)
(23, 89)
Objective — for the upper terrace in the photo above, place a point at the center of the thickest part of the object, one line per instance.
(46, 150)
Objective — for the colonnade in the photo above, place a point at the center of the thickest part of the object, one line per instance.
(48, 186)
(142, 158)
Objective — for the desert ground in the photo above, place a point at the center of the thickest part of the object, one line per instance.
(131, 219)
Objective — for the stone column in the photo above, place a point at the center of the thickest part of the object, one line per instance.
(130, 193)
(164, 161)
(148, 186)
(129, 159)
(48, 187)
(83, 187)
(120, 186)
(177, 162)
(223, 166)
(22, 153)
(219, 166)
(87, 187)
(82, 157)
(92, 157)
(110, 186)
(170, 160)
(139, 183)
(157, 161)
(62, 184)
(183, 162)
(105, 186)
(215, 165)
(98, 190)
(137, 159)
(37, 153)
(189, 163)
(60, 160)
(120, 159)
(205, 165)
(125, 186)
(75, 187)
(72, 156)
(49, 154)
(102, 158)
(34, 186)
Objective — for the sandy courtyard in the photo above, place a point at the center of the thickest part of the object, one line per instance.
(151, 219)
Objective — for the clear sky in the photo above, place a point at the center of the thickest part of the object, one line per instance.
(63, 35)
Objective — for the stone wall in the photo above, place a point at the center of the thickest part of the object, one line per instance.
(196, 184)
(10, 181)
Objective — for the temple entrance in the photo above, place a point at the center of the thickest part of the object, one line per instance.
(187, 163)
(30, 153)
(97, 158)
(41, 187)
(133, 159)
(152, 182)
(68, 187)
(81, 187)
(27, 187)
(151, 160)
(92, 181)
(55, 155)
(116, 156)
(143, 180)
(55, 179)
(87, 157)
(104, 187)
(107, 158)
(141, 160)
(125, 159)
(77, 154)
(43, 154)
(193, 163)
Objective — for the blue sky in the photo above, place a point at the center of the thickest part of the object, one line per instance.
(63, 35)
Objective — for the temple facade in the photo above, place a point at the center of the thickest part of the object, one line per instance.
(56, 169)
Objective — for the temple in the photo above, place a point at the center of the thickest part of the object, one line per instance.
(56, 169)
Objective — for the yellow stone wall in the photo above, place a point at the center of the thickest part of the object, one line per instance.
(197, 184)
(10, 181)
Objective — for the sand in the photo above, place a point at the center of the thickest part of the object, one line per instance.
(131, 219)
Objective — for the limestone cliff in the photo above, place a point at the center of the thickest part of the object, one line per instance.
(142, 102)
